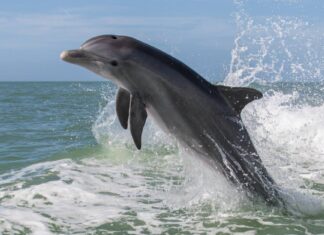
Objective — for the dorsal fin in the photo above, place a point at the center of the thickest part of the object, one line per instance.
(122, 106)
(137, 118)
(238, 97)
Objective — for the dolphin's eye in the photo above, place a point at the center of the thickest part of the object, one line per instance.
(114, 63)
(113, 37)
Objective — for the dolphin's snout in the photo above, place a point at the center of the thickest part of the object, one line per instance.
(72, 55)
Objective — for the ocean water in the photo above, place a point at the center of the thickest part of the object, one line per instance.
(67, 167)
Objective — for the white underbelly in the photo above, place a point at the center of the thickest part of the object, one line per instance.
(158, 120)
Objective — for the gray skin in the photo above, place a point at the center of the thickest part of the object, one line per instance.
(203, 117)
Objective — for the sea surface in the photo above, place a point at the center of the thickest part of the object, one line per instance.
(67, 167)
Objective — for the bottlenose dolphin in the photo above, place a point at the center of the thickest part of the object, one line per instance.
(203, 117)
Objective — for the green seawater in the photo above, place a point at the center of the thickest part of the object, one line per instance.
(67, 167)
(41, 120)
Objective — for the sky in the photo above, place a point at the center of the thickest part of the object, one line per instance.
(201, 33)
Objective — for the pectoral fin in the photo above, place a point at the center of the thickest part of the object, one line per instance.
(238, 97)
(122, 106)
(137, 118)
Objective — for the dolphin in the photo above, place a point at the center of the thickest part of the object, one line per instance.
(202, 117)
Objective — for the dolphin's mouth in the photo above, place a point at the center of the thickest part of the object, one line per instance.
(73, 56)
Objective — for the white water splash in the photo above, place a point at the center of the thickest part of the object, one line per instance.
(290, 141)
(275, 49)
(288, 137)
(76, 196)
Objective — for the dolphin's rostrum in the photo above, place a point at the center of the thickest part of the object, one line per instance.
(203, 117)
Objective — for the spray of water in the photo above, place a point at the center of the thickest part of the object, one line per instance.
(286, 125)
(274, 49)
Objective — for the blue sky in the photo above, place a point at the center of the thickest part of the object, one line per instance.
(199, 32)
